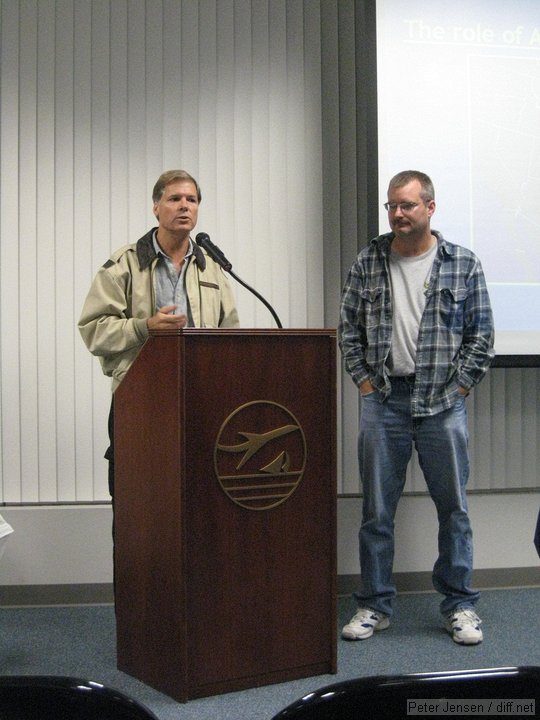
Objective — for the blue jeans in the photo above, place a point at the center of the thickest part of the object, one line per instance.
(387, 433)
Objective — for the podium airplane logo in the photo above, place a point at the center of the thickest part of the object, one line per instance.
(255, 441)
(272, 455)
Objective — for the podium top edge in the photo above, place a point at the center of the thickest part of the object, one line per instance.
(331, 332)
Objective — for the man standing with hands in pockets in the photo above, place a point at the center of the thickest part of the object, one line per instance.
(416, 334)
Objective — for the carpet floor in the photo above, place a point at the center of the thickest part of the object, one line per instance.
(79, 641)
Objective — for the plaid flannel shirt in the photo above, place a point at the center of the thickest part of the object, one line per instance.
(455, 338)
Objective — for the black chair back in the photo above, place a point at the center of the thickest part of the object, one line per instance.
(38, 697)
(513, 691)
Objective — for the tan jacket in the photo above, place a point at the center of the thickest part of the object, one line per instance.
(121, 299)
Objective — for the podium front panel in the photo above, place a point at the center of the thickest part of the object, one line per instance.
(240, 580)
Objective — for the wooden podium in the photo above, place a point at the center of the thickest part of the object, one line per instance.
(225, 510)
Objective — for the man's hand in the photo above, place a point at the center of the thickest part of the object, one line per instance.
(366, 387)
(165, 320)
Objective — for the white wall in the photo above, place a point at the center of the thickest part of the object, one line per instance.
(55, 545)
(71, 545)
(503, 529)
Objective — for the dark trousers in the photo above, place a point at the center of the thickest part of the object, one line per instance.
(537, 535)
(109, 455)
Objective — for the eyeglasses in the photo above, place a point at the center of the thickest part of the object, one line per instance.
(405, 207)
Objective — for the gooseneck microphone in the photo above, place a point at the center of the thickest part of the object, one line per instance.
(203, 240)
(215, 253)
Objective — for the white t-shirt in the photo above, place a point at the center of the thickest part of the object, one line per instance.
(409, 279)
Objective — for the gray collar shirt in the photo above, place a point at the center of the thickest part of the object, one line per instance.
(170, 286)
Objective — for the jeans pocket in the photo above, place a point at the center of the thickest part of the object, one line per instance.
(369, 394)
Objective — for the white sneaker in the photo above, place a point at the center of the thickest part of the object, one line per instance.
(364, 622)
(464, 626)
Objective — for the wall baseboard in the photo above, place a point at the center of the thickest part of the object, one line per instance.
(491, 578)
(102, 593)
(76, 594)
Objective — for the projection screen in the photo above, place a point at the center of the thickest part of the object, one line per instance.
(458, 87)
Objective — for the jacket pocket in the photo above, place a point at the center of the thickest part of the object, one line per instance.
(451, 307)
(210, 298)
(373, 305)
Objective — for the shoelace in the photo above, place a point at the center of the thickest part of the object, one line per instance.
(464, 616)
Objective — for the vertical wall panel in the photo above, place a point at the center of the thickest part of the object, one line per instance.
(28, 296)
(185, 86)
(531, 434)
(276, 180)
(172, 120)
(312, 141)
(46, 249)
(261, 208)
(78, 209)
(65, 310)
(206, 116)
(217, 207)
(9, 251)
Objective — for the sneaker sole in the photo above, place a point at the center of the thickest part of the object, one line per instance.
(467, 642)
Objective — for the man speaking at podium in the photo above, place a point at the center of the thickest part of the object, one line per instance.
(163, 281)
(416, 334)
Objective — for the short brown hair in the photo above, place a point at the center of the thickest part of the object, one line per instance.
(170, 176)
(427, 191)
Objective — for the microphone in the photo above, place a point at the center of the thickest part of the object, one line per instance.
(203, 240)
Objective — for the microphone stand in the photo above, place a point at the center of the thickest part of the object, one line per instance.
(248, 287)
(203, 240)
